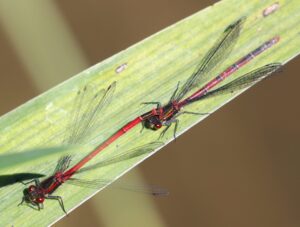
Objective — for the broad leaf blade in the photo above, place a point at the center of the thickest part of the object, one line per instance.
(154, 67)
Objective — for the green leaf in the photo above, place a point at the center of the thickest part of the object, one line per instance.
(153, 69)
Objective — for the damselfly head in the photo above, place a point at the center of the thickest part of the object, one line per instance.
(152, 123)
(32, 196)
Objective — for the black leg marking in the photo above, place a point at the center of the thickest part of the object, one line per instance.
(168, 124)
(174, 93)
(158, 104)
(34, 206)
(36, 181)
(40, 206)
(175, 128)
(60, 201)
(194, 113)
(143, 126)
(162, 134)
(21, 203)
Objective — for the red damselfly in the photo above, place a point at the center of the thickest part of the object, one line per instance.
(164, 115)
(35, 194)
(84, 117)
(167, 114)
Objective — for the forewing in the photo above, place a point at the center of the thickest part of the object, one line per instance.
(63, 164)
(130, 154)
(215, 56)
(86, 113)
(97, 184)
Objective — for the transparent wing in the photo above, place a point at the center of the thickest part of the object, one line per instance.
(97, 184)
(215, 56)
(86, 112)
(133, 153)
(243, 81)
(127, 155)
(63, 164)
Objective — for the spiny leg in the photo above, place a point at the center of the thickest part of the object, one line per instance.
(176, 121)
(35, 206)
(40, 206)
(143, 126)
(60, 201)
(161, 135)
(194, 113)
(168, 124)
(23, 200)
(175, 128)
(36, 181)
(158, 104)
(175, 91)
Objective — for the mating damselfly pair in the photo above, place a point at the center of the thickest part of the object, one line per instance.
(199, 86)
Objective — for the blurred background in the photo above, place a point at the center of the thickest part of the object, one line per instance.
(239, 167)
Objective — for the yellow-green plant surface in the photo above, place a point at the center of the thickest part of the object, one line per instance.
(154, 67)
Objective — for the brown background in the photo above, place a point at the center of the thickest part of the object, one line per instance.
(239, 167)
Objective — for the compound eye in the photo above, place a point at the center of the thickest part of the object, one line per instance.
(158, 125)
(31, 188)
(40, 200)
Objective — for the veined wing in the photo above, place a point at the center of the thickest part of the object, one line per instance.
(86, 112)
(127, 155)
(63, 164)
(243, 81)
(98, 184)
(215, 56)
